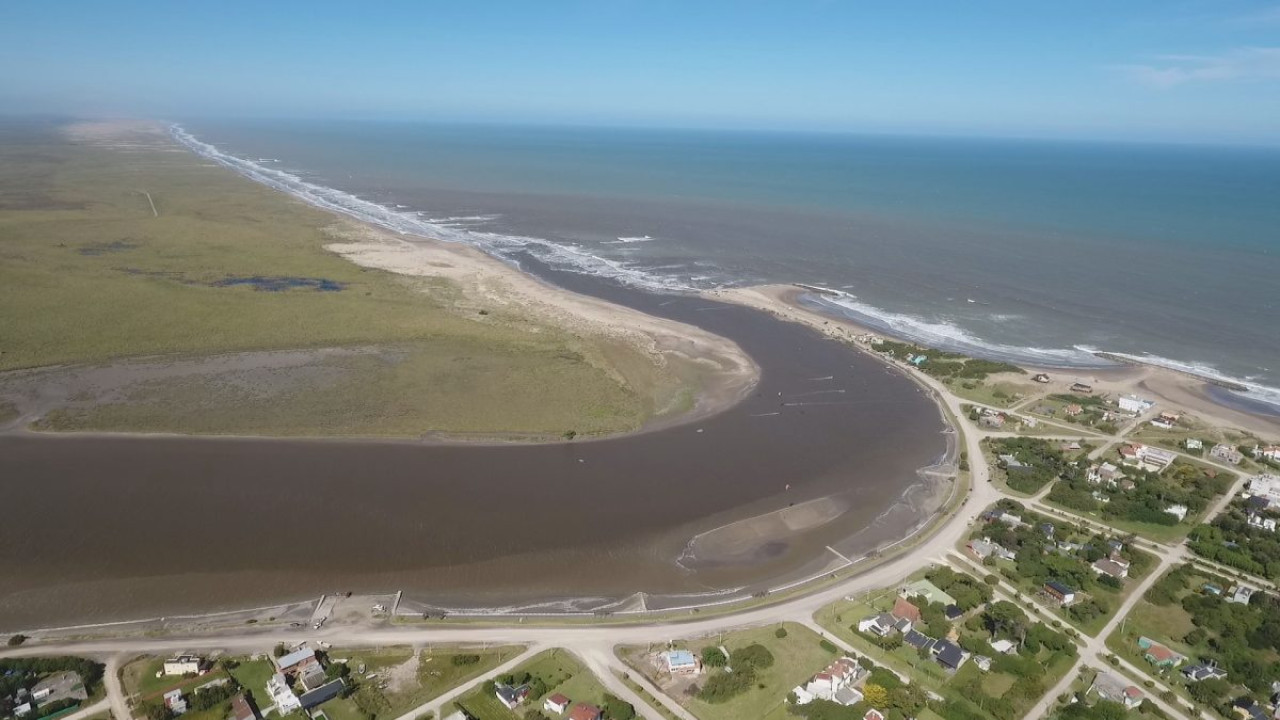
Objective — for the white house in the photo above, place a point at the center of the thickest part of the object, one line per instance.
(835, 683)
(1194, 444)
(1006, 647)
(182, 665)
(681, 662)
(557, 704)
(1271, 452)
(1178, 511)
(1241, 595)
(1226, 453)
(1134, 404)
(1266, 486)
(1116, 689)
(175, 702)
(1265, 523)
(282, 696)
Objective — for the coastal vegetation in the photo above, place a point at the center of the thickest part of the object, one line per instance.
(1035, 462)
(1190, 611)
(1232, 541)
(944, 365)
(92, 275)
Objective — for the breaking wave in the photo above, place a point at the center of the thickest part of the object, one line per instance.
(935, 333)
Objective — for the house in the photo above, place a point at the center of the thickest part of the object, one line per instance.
(1059, 592)
(952, 612)
(927, 590)
(919, 640)
(1203, 671)
(949, 655)
(175, 702)
(1134, 404)
(1226, 454)
(1046, 529)
(1005, 647)
(1264, 523)
(1002, 516)
(1270, 452)
(1159, 654)
(557, 704)
(1112, 687)
(324, 694)
(904, 610)
(585, 711)
(992, 421)
(511, 696)
(983, 662)
(1193, 444)
(1249, 708)
(1179, 511)
(22, 710)
(1266, 486)
(984, 548)
(1041, 377)
(242, 709)
(835, 683)
(1118, 569)
(1147, 457)
(1073, 410)
(294, 661)
(183, 665)
(681, 662)
(281, 696)
(1104, 473)
(882, 625)
(1081, 388)
(1211, 589)
(873, 714)
(1242, 595)
(1010, 462)
(312, 675)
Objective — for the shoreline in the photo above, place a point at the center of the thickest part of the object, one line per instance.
(1178, 389)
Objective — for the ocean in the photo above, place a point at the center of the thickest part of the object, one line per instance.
(1030, 251)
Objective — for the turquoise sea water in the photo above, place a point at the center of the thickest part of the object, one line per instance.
(1035, 251)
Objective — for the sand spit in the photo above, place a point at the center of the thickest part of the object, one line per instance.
(1176, 390)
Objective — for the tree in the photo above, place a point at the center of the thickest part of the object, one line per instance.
(780, 633)
(714, 657)
(16, 640)
(875, 695)
(1210, 691)
(754, 655)
(615, 708)
(279, 650)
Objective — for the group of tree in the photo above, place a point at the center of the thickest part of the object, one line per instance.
(24, 673)
(1181, 484)
(1242, 639)
(745, 662)
(1231, 540)
(968, 591)
(946, 365)
(1039, 462)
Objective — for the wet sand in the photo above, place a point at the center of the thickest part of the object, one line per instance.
(148, 526)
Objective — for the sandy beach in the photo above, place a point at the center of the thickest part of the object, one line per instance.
(1174, 390)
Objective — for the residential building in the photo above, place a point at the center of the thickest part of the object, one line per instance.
(1226, 453)
(183, 665)
(325, 693)
(175, 702)
(557, 704)
(1040, 378)
(984, 548)
(1262, 522)
(949, 655)
(1073, 410)
(1270, 452)
(919, 640)
(835, 683)
(242, 709)
(1193, 444)
(1081, 388)
(511, 696)
(904, 610)
(293, 661)
(927, 590)
(983, 662)
(881, 625)
(1178, 511)
(681, 662)
(1118, 569)
(1204, 671)
(1059, 592)
(1147, 457)
(312, 675)
(992, 421)
(585, 711)
(873, 714)
(1134, 404)
(1006, 647)
(1266, 486)
(1159, 654)
(1241, 595)
(1112, 687)
(22, 710)
(281, 695)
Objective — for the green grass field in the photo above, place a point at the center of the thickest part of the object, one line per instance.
(562, 673)
(89, 275)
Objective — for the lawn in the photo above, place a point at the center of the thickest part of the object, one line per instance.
(558, 669)
(796, 658)
(996, 394)
(436, 673)
(139, 678)
(647, 696)
(91, 276)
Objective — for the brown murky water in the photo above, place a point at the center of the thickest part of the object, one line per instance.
(108, 528)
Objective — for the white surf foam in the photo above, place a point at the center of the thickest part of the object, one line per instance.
(1253, 390)
(450, 229)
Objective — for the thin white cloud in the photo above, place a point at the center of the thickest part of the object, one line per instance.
(1240, 64)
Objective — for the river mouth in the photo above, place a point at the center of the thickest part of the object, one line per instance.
(130, 527)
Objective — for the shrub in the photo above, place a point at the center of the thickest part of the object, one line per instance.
(754, 655)
(714, 657)
(828, 646)
(780, 633)
(461, 660)
(16, 640)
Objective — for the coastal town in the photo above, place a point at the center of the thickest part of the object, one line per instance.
(1102, 557)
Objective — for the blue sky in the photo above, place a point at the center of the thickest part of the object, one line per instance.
(1170, 70)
